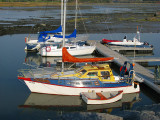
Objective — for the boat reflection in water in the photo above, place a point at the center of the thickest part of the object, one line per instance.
(33, 59)
(75, 103)
(39, 61)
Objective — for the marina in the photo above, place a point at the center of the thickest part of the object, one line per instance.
(11, 82)
(101, 95)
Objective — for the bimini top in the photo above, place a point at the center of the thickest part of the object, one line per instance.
(66, 57)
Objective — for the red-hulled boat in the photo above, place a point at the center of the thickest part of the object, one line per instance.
(105, 41)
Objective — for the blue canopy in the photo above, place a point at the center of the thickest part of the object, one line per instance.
(53, 31)
(69, 36)
(42, 36)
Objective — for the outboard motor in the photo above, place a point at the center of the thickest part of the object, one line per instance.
(125, 39)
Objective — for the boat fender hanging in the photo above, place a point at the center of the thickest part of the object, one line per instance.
(48, 64)
(48, 48)
(26, 39)
(121, 69)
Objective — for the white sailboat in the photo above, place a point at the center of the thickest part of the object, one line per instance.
(73, 48)
(45, 37)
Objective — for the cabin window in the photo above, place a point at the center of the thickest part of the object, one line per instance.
(67, 47)
(105, 74)
(72, 47)
(87, 83)
(79, 69)
(92, 74)
(83, 71)
(74, 83)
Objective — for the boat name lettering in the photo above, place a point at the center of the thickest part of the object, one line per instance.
(42, 80)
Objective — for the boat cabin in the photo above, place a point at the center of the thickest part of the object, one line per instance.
(101, 71)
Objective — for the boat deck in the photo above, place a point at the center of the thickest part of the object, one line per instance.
(146, 74)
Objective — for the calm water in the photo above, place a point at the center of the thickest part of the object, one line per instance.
(16, 99)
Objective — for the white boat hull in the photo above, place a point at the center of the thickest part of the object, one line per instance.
(93, 98)
(126, 43)
(86, 50)
(64, 90)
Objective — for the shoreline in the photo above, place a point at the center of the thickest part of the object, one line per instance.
(92, 22)
(43, 4)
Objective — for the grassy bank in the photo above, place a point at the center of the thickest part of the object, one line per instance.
(39, 4)
(28, 4)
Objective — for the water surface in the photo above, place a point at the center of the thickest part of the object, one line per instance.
(15, 95)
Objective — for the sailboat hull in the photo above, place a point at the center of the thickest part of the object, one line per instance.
(65, 89)
(86, 50)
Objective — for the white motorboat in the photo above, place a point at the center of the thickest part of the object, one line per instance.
(128, 43)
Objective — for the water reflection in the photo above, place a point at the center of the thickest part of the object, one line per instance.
(35, 60)
(75, 103)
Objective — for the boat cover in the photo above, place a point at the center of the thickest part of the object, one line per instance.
(73, 35)
(53, 31)
(66, 57)
(42, 36)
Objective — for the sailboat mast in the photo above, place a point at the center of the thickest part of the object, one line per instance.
(138, 34)
(76, 16)
(64, 22)
(64, 28)
(62, 15)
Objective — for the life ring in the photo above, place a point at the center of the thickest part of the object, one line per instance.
(121, 69)
(48, 48)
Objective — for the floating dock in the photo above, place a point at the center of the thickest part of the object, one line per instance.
(146, 59)
(121, 48)
(137, 50)
(141, 72)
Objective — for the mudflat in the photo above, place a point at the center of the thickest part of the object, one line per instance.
(91, 18)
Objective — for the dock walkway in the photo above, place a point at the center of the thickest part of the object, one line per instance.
(146, 74)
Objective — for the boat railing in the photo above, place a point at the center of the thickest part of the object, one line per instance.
(42, 73)
(30, 39)
(23, 72)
